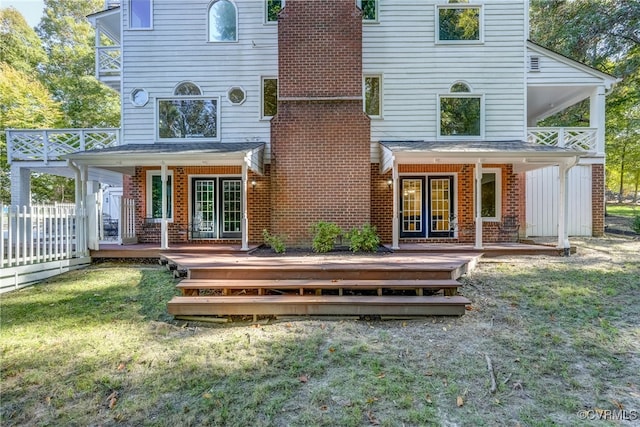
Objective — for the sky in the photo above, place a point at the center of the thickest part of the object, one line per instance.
(30, 9)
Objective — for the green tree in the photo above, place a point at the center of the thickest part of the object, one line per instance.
(20, 46)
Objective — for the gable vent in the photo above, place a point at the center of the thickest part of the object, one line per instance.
(534, 63)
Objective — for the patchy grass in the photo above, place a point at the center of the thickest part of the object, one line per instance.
(626, 210)
(96, 347)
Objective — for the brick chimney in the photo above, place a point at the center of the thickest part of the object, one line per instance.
(320, 138)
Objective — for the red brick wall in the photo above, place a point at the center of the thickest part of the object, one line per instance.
(259, 205)
(381, 203)
(597, 200)
(320, 49)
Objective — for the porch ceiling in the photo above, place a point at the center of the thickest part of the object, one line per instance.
(545, 101)
(126, 157)
(109, 22)
(522, 155)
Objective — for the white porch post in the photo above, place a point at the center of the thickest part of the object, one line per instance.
(81, 215)
(245, 216)
(597, 116)
(395, 227)
(563, 207)
(20, 185)
(164, 228)
(478, 205)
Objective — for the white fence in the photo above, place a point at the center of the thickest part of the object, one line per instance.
(37, 242)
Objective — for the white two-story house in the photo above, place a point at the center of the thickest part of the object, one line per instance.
(418, 117)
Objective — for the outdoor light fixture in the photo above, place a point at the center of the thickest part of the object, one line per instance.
(390, 183)
(253, 184)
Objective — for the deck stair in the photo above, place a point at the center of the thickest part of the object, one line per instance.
(385, 286)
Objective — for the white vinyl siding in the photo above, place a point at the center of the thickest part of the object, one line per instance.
(177, 50)
(416, 69)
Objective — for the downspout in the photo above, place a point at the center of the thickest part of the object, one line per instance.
(395, 232)
(563, 205)
(164, 228)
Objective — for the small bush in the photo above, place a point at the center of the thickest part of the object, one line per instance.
(635, 225)
(274, 242)
(363, 239)
(324, 236)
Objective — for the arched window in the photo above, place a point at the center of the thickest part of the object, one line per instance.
(187, 88)
(458, 87)
(223, 21)
(461, 112)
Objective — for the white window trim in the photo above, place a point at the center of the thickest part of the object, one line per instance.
(173, 98)
(380, 77)
(370, 21)
(460, 95)
(459, 6)
(262, 79)
(266, 14)
(150, 18)
(498, 173)
(209, 23)
(175, 88)
(149, 203)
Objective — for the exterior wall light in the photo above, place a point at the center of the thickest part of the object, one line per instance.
(390, 183)
(253, 184)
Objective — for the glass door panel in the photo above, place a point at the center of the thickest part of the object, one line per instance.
(203, 224)
(412, 207)
(440, 206)
(231, 207)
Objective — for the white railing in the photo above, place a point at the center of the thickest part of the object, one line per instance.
(576, 138)
(108, 61)
(50, 144)
(128, 221)
(36, 234)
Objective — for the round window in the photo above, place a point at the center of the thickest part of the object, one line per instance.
(236, 95)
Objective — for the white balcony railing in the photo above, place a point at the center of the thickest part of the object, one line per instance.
(578, 138)
(49, 144)
(108, 61)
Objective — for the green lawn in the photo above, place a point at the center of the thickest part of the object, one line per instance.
(626, 210)
(96, 347)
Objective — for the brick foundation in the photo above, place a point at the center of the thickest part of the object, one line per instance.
(597, 200)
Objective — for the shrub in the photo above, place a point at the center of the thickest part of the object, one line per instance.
(324, 236)
(635, 225)
(274, 242)
(363, 239)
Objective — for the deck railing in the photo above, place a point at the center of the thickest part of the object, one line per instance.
(36, 234)
(108, 61)
(576, 138)
(50, 144)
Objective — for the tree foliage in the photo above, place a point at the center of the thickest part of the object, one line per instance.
(20, 46)
(604, 34)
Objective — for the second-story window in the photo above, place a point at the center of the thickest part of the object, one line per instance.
(269, 97)
(369, 10)
(188, 115)
(140, 14)
(273, 7)
(460, 112)
(223, 21)
(459, 23)
(372, 95)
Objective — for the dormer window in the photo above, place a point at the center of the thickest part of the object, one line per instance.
(461, 112)
(223, 21)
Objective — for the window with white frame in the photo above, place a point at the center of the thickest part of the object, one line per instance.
(460, 112)
(269, 97)
(272, 8)
(372, 87)
(369, 10)
(491, 194)
(140, 14)
(223, 21)
(188, 115)
(154, 194)
(459, 22)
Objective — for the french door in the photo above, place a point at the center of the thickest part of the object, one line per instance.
(426, 206)
(216, 208)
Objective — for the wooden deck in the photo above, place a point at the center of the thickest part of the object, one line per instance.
(346, 284)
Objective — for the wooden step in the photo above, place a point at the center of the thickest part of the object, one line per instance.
(327, 272)
(319, 305)
(192, 287)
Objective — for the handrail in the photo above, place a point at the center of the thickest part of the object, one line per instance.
(577, 138)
